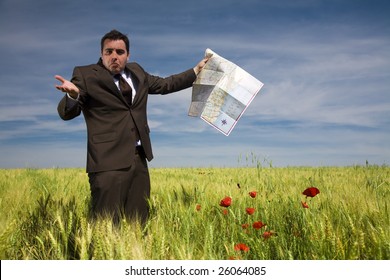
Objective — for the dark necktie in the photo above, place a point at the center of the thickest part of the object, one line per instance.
(125, 89)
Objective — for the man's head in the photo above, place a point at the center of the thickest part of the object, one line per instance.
(115, 51)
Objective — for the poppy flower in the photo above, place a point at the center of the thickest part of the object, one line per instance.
(253, 194)
(312, 192)
(250, 210)
(258, 225)
(241, 247)
(198, 207)
(268, 234)
(225, 211)
(304, 204)
(226, 202)
(245, 226)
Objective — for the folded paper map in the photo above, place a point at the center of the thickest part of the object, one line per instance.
(222, 92)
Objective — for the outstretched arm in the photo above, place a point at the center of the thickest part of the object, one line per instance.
(68, 108)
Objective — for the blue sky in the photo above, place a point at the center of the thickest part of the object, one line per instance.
(325, 66)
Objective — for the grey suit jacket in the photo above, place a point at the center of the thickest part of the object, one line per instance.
(110, 121)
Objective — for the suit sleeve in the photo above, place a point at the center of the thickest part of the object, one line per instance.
(68, 109)
(173, 83)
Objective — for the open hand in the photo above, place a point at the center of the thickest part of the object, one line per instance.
(67, 86)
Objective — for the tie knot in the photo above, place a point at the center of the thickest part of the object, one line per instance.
(118, 76)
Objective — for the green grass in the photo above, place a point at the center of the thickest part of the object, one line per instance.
(44, 215)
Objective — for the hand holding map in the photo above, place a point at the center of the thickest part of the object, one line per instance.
(222, 92)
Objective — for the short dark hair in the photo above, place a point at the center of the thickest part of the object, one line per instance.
(115, 35)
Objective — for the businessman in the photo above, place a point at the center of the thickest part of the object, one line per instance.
(112, 95)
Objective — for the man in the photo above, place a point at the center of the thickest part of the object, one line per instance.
(118, 133)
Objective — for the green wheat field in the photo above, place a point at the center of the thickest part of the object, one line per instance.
(44, 215)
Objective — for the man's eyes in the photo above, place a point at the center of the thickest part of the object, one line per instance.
(119, 52)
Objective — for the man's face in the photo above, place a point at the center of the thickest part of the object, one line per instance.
(114, 55)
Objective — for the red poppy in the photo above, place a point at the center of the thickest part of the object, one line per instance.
(241, 247)
(198, 207)
(245, 226)
(226, 202)
(304, 204)
(268, 234)
(225, 211)
(312, 192)
(250, 210)
(258, 225)
(253, 194)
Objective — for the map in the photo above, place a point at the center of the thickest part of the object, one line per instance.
(222, 92)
